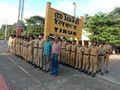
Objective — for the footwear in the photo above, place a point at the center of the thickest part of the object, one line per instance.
(82, 70)
(46, 71)
(107, 72)
(35, 66)
(89, 73)
(100, 70)
(43, 69)
(40, 68)
(79, 69)
(85, 71)
(93, 75)
(102, 73)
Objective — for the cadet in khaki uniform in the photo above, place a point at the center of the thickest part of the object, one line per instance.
(86, 52)
(108, 49)
(93, 59)
(35, 61)
(79, 55)
(27, 49)
(9, 43)
(17, 46)
(68, 47)
(24, 42)
(40, 52)
(14, 45)
(101, 58)
(31, 45)
(63, 51)
(73, 53)
(22, 46)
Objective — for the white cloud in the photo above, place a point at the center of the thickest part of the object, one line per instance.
(10, 11)
(91, 8)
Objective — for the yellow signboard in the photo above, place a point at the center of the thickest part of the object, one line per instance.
(62, 24)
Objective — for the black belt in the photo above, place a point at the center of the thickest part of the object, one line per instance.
(35, 47)
(101, 54)
(72, 51)
(86, 54)
(67, 50)
(78, 53)
(93, 55)
(107, 53)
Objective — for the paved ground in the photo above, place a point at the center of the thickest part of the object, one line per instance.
(19, 75)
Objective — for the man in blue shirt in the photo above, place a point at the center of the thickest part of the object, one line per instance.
(46, 54)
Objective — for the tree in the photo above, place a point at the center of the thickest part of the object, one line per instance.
(104, 26)
(35, 25)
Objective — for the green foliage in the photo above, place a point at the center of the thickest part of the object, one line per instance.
(35, 25)
(104, 27)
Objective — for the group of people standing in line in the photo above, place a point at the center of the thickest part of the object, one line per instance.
(46, 54)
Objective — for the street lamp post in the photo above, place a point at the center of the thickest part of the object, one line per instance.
(74, 9)
(6, 26)
(5, 32)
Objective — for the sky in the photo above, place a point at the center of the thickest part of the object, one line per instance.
(9, 8)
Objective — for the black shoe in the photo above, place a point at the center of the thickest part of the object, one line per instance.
(35, 66)
(82, 70)
(93, 75)
(102, 73)
(107, 72)
(79, 69)
(40, 68)
(100, 70)
(85, 71)
(46, 71)
(89, 73)
(97, 71)
(43, 69)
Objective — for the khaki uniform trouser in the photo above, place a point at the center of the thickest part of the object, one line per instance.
(93, 63)
(101, 63)
(107, 60)
(24, 52)
(78, 63)
(67, 61)
(40, 57)
(30, 54)
(14, 49)
(85, 62)
(27, 54)
(63, 56)
(9, 47)
(35, 61)
(72, 60)
(17, 49)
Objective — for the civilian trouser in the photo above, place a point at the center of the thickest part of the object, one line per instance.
(54, 68)
(101, 63)
(46, 62)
